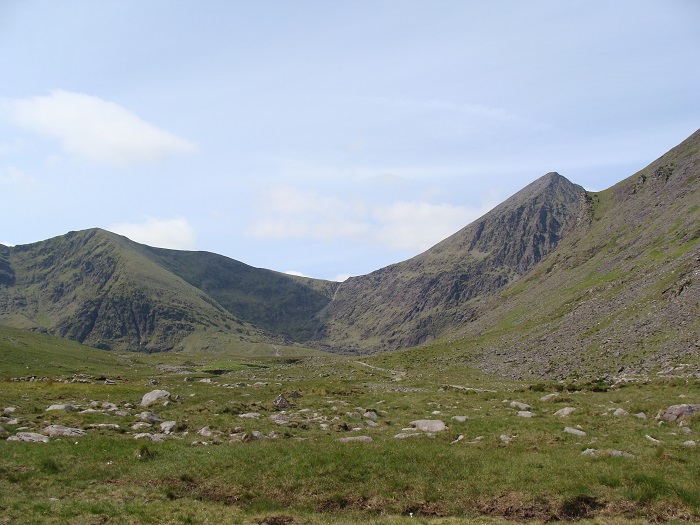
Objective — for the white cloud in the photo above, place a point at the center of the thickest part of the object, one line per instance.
(341, 277)
(294, 272)
(96, 129)
(11, 176)
(288, 213)
(176, 234)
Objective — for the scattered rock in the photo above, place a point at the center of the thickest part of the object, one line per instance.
(364, 439)
(140, 425)
(606, 453)
(60, 430)
(9, 410)
(621, 412)
(549, 397)
(506, 439)
(354, 415)
(29, 437)
(640, 415)
(295, 395)
(153, 396)
(371, 414)
(460, 419)
(653, 440)
(429, 425)
(110, 382)
(250, 415)
(3, 431)
(407, 435)
(525, 413)
(675, 412)
(519, 405)
(564, 411)
(574, 431)
(156, 438)
(205, 432)
(150, 416)
(689, 443)
(111, 426)
(67, 408)
(280, 419)
(258, 435)
(281, 402)
(168, 426)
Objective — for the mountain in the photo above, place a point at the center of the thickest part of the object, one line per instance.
(106, 291)
(414, 301)
(554, 281)
(620, 293)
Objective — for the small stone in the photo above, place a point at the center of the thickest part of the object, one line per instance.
(574, 431)
(653, 440)
(60, 406)
(156, 438)
(280, 419)
(29, 437)
(168, 426)
(525, 413)
(640, 415)
(205, 432)
(250, 415)
(589, 452)
(281, 402)
(506, 439)
(150, 416)
(564, 411)
(460, 419)
(549, 397)
(364, 439)
(519, 405)
(354, 415)
(9, 410)
(153, 396)
(675, 412)
(689, 443)
(60, 430)
(429, 425)
(408, 435)
(140, 425)
(620, 412)
(370, 414)
(258, 435)
(111, 426)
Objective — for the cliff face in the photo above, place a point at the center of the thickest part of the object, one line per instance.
(414, 301)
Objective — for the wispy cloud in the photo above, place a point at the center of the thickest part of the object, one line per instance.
(95, 129)
(290, 213)
(176, 233)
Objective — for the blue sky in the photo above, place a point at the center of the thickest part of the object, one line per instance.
(328, 138)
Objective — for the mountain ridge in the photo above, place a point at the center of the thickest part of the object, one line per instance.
(555, 280)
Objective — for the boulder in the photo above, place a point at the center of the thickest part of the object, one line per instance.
(370, 414)
(574, 431)
(564, 411)
(150, 416)
(408, 435)
(153, 396)
(620, 412)
(250, 415)
(60, 430)
(167, 426)
(280, 419)
(460, 419)
(364, 439)
(549, 397)
(519, 405)
(281, 402)
(29, 437)
(525, 413)
(675, 412)
(61, 406)
(429, 425)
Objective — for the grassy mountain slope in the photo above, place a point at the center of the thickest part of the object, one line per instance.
(414, 301)
(620, 295)
(93, 287)
(277, 302)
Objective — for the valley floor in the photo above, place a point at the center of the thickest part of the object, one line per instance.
(347, 442)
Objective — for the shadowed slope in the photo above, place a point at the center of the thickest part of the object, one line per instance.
(414, 301)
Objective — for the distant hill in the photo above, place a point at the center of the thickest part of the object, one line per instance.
(552, 282)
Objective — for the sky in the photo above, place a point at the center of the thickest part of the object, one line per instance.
(326, 138)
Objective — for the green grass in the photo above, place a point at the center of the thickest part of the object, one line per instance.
(305, 475)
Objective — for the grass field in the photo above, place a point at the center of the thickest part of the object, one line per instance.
(491, 465)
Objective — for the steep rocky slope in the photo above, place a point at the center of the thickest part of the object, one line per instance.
(620, 295)
(417, 300)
